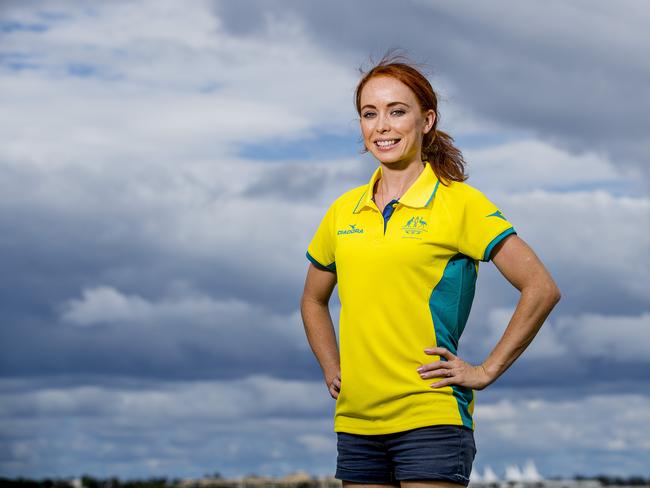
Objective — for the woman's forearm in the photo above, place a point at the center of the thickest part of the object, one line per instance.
(533, 307)
(321, 336)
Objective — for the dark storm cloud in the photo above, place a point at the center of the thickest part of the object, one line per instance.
(573, 73)
(49, 257)
(306, 182)
(41, 348)
(179, 428)
(287, 181)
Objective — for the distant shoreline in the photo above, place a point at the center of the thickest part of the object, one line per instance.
(300, 480)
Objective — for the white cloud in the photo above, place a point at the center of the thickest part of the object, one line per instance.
(527, 164)
(234, 427)
(546, 343)
(581, 423)
(594, 234)
(259, 397)
(177, 86)
(103, 304)
(318, 443)
(619, 338)
(264, 418)
(185, 309)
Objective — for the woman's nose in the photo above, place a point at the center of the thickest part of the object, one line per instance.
(383, 124)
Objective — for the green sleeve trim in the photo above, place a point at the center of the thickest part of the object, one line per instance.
(330, 267)
(495, 241)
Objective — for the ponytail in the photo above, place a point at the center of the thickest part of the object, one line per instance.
(445, 159)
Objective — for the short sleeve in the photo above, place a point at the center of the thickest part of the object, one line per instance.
(483, 226)
(320, 250)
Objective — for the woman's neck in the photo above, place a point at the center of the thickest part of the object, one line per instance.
(396, 180)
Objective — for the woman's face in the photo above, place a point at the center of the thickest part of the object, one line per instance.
(391, 113)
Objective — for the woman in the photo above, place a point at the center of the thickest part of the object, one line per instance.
(404, 250)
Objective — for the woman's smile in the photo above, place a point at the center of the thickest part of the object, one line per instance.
(386, 145)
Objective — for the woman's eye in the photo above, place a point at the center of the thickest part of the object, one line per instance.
(367, 115)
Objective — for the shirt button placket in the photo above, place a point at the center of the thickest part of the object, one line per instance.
(388, 212)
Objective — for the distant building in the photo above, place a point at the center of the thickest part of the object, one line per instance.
(529, 476)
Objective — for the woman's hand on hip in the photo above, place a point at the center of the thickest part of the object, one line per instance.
(453, 371)
(334, 384)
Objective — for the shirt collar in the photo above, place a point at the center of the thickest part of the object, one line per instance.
(419, 194)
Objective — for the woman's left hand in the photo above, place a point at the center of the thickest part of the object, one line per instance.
(454, 371)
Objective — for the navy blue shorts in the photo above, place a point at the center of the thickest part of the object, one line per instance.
(437, 452)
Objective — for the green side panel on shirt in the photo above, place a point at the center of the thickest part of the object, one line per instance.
(450, 303)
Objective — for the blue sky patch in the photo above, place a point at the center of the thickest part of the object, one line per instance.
(82, 70)
(9, 26)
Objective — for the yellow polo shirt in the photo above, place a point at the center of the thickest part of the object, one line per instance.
(406, 278)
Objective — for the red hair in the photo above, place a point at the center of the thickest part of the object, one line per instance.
(437, 146)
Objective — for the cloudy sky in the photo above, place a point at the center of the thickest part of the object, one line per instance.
(164, 164)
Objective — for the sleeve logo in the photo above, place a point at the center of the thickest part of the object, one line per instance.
(497, 214)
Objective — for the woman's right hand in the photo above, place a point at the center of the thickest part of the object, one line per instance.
(334, 384)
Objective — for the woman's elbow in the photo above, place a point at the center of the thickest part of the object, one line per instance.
(308, 300)
(545, 291)
(556, 296)
(305, 301)
(552, 293)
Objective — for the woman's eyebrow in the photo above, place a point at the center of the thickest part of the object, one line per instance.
(388, 105)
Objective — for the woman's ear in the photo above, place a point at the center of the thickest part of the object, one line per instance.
(430, 121)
